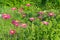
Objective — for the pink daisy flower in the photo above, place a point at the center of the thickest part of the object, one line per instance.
(32, 19)
(51, 14)
(41, 12)
(14, 8)
(12, 32)
(6, 16)
(23, 25)
(28, 4)
(44, 22)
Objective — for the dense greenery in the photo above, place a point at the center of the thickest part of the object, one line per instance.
(36, 29)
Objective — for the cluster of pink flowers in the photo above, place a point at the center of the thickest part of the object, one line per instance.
(15, 22)
(24, 25)
(50, 14)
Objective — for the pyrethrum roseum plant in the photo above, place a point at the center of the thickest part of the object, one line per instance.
(6, 16)
(28, 22)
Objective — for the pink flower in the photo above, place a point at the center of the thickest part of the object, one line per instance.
(51, 14)
(6, 16)
(41, 12)
(44, 22)
(23, 25)
(14, 8)
(12, 32)
(21, 10)
(28, 4)
(15, 22)
(23, 15)
(32, 19)
(40, 17)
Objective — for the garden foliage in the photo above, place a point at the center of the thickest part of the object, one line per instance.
(29, 19)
